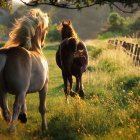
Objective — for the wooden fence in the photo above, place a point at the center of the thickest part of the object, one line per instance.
(132, 49)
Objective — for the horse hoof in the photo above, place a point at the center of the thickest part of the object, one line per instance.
(44, 128)
(82, 94)
(22, 117)
(12, 129)
(72, 94)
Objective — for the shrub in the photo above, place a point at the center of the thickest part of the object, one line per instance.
(116, 22)
(1, 44)
(120, 26)
(53, 34)
(109, 34)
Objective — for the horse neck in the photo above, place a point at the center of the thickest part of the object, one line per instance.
(67, 35)
(36, 47)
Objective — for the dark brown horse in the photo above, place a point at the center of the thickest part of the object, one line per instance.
(23, 67)
(72, 59)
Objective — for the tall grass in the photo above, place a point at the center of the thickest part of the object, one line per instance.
(110, 110)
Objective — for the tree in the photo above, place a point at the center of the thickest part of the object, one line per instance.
(6, 4)
(79, 4)
(116, 22)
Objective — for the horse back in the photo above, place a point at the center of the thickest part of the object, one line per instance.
(2, 65)
(80, 60)
(69, 57)
(2, 57)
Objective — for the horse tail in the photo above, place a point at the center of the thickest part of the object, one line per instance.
(72, 44)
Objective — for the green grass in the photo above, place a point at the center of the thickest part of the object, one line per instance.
(1, 44)
(110, 110)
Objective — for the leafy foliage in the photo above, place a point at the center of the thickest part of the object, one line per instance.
(116, 22)
(77, 4)
(109, 34)
(53, 34)
(2, 30)
(120, 26)
(6, 4)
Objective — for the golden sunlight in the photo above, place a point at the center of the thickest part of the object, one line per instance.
(19, 1)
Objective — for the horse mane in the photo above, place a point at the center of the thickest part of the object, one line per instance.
(24, 29)
(68, 31)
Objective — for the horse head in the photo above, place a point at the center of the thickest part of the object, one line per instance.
(67, 30)
(29, 31)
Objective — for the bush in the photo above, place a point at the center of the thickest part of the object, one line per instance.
(1, 44)
(53, 34)
(120, 26)
(134, 25)
(109, 34)
(116, 22)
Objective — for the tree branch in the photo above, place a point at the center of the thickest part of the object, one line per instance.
(66, 6)
(124, 11)
(80, 5)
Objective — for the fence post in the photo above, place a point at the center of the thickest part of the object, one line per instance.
(137, 58)
(131, 50)
(116, 43)
(124, 46)
(135, 52)
(121, 42)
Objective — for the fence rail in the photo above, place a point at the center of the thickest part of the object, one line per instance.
(131, 49)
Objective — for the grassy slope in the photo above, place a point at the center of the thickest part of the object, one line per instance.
(111, 108)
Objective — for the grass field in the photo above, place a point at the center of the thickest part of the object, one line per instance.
(111, 109)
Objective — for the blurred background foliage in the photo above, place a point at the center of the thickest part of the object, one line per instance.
(98, 22)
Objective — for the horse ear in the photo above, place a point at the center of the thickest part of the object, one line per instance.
(60, 26)
(48, 15)
(69, 22)
(63, 22)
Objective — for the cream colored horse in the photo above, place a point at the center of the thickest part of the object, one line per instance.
(23, 67)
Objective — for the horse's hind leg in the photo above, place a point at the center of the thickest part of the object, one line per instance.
(19, 101)
(72, 93)
(4, 107)
(77, 84)
(23, 116)
(81, 91)
(42, 106)
(65, 79)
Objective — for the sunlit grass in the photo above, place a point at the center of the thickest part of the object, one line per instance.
(110, 110)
